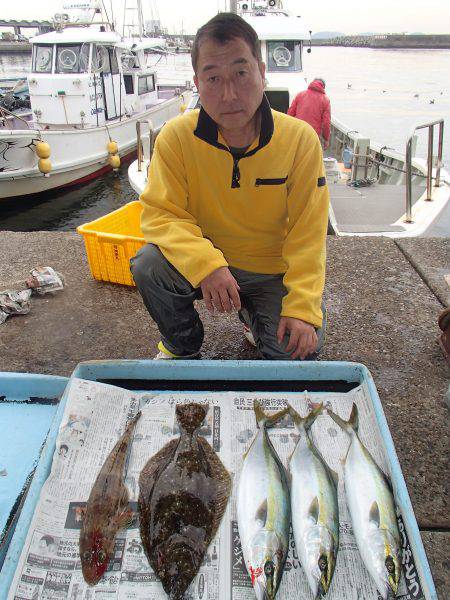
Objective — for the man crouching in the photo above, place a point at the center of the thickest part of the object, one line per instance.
(235, 210)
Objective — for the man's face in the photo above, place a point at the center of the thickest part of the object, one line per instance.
(230, 82)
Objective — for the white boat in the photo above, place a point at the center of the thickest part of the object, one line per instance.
(389, 193)
(88, 87)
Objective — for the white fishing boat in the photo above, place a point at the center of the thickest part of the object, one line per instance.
(89, 89)
(374, 190)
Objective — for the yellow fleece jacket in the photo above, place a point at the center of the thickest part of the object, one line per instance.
(266, 212)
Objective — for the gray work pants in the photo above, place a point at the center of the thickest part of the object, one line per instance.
(169, 299)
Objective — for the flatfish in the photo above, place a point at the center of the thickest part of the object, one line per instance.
(183, 493)
(106, 510)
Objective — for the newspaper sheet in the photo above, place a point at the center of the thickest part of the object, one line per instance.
(96, 415)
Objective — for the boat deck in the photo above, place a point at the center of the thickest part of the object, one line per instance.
(370, 209)
(383, 297)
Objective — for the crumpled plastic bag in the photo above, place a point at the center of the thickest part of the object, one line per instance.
(42, 280)
(14, 303)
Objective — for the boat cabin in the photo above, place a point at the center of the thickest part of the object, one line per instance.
(86, 78)
(282, 37)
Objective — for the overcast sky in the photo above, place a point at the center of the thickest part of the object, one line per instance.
(350, 16)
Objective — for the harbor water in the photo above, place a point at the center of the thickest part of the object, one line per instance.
(380, 93)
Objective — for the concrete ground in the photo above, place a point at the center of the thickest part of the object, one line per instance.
(383, 299)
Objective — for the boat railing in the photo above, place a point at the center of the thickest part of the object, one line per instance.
(151, 139)
(430, 127)
(5, 113)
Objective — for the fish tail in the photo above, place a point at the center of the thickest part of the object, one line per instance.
(268, 420)
(191, 416)
(307, 421)
(349, 426)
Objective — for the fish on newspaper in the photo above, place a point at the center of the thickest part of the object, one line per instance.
(314, 507)
(263, 509)
(106, 510)
(183, 493)
(372, 510)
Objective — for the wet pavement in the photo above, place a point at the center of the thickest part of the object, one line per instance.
(383, 300)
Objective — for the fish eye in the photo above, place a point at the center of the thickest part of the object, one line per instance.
(269, 569)
(101, 556)
(390, 566)
(323, 563)
(87, 554)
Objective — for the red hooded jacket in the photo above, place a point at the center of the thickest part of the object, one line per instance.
(313, 106)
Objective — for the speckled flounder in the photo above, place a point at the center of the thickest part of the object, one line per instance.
(183, 493)
(106, 510)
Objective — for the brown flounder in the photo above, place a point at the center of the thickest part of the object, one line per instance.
(183, 493)
(106, 510)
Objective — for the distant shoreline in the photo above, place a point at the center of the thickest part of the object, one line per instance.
(392, 41)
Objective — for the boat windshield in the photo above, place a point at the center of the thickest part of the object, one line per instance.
(284, 56)
(72, 58)
(43, 59)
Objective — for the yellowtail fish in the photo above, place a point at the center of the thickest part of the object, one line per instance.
(106, 510)
(372, 511)
(183, 494)
(263, 509)
(314, 507)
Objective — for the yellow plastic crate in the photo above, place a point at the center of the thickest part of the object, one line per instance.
(111, 241)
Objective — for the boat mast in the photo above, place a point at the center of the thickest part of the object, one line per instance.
(137, 8)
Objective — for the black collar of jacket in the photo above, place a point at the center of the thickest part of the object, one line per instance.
(208, 132)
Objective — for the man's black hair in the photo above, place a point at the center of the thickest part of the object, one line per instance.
(223, 28)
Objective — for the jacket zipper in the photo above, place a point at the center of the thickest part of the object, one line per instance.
(236, 176)
(277, 181)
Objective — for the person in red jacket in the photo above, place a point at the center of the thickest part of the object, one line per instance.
(313, 106)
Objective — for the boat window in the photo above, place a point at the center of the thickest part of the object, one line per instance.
(128, 81)
(150, 83)
(70, 59)
(284, 56)
(146, 84)
(43, 59)
(113, 60)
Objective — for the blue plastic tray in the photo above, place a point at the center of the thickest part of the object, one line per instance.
(226, 375)
(28, 404)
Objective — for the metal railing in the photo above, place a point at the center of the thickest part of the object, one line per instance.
(5, 113)
(430, 127)
(151, 139)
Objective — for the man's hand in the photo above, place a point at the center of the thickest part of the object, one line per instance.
(302, 337)
(221, 291)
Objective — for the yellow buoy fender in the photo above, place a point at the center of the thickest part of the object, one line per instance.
(43, 149)
(114, 161)
(112, 147)
(44, 165)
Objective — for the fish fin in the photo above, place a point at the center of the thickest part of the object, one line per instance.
(261, 513)
(335, 477)
(307, 421)
(268, 420)
(191, 416)
(313, 510)
(349, 426)
(125, 518)
(223, 485)
(374, 514)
